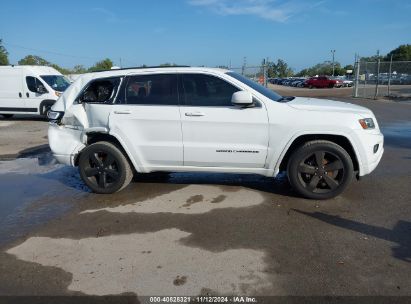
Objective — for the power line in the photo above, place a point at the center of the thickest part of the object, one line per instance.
(45, 51)
(57, 53)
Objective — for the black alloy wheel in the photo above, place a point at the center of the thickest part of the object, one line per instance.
(104, 168)
(320, 170)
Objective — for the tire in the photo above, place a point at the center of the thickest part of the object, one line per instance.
(315, 181)
(7, 116)
(104, 168)
(45, 109)
(311, 86)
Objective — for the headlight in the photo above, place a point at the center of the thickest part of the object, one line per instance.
(54, 115)
(367, 123)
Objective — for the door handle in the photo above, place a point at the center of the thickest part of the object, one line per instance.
(196, 114)
(122, 112)
(27, 95)
(20, 95)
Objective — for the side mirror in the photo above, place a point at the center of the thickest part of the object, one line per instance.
(242, 99)
(41, 89)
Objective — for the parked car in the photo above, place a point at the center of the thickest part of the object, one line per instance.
(348, 83)
(301, 84)
(29, 89)
(321, 82)
(113, 123)
(282, 81)
(339, 83)
(296, 82)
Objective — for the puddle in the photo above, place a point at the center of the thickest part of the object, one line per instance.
(397, 134)
(397, 130)
(33, 191)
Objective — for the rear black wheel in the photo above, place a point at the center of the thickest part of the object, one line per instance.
(104, 168)
(320, 169)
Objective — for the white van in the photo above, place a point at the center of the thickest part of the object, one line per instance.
(29, 89)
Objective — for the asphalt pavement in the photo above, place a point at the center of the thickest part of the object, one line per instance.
(202, 234)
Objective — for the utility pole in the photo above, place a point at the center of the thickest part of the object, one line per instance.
(378, 74)
(333, 52)
(266, 72)
(357, 74)
(389, 77)
(244, 64)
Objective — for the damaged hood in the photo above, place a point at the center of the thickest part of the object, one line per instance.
(69, 95)
(326, 105)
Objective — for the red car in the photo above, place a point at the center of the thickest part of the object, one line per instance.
(323, 82)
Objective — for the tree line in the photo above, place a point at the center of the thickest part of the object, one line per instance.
(276, 69)
(101, 65)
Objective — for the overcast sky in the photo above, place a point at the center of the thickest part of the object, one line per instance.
(203, 32)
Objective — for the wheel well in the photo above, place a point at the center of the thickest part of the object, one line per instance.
(46, 102)
(96, 137)
(337, 139)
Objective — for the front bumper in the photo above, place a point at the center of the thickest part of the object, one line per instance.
(65, 143)
(369, 155)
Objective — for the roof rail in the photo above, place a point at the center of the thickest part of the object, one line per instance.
(146, 67)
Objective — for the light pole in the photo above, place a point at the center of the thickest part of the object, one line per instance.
(333, 52)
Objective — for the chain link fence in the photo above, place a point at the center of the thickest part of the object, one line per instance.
(255, 73)
(383, 79)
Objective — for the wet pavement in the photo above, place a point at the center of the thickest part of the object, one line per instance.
(190, 234)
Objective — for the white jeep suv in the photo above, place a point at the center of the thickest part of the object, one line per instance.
(114, 123)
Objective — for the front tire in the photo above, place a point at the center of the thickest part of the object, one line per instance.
(320, 170)
(45, 109)
(104, 168)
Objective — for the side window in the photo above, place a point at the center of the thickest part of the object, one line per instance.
(206, 90)
(101, 90)
(33, 84)
(155, 89)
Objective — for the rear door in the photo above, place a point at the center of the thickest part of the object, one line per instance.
(146, 117)
(11, 90)
(217, 133)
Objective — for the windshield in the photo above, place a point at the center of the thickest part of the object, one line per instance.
(56, 82)
(254, 85)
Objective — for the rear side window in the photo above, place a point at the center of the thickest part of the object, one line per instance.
(101, 91)
(155, 89)
(206, 90)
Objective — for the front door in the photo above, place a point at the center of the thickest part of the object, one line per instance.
(217, 133)
(31, 95)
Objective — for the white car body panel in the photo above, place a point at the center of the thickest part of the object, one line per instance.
(156, 139)
(214, 139)
(243, 132)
